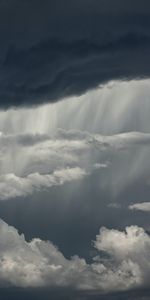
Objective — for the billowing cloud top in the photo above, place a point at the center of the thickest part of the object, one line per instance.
(40, 263)
(53, 49)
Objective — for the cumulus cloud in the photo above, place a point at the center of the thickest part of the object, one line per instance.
(39, 263)
(129, 248)
(53, 50)
(12, 186)
(144, 206)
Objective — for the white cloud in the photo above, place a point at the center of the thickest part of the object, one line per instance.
(128, 255)
(30, 141)
(35, 155)
(144, 206)
(39, 263)
(13, 186)
(23, 156)
(100, 165)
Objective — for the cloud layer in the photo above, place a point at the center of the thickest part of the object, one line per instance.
(39, 263)
(53, 50)
(12, 186)
(50, 160)
(144, 206)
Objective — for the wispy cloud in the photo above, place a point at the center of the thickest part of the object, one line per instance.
(143, 206)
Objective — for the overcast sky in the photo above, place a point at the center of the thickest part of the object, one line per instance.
(74, 149)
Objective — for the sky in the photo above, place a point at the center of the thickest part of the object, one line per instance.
(74, 149)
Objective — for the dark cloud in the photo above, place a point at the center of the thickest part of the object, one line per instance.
(57, 48)
(54, 49)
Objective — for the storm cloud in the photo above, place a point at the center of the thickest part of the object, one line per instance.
(57, 49)
(75, 173)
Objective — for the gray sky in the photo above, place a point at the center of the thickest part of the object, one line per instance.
(81, 184)
(74, 149)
